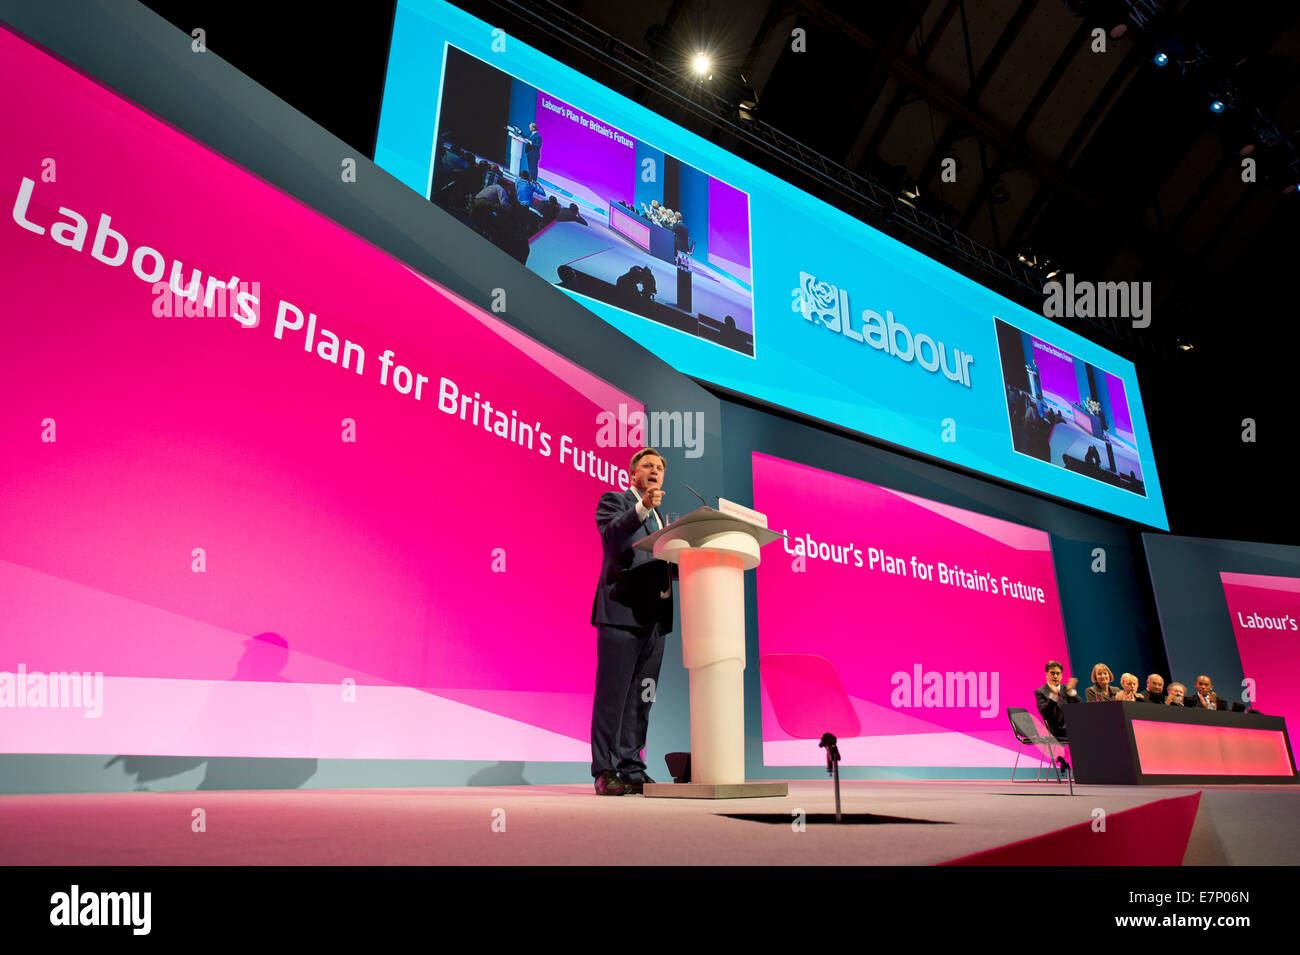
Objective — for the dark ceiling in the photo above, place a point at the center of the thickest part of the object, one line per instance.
(1102, 162)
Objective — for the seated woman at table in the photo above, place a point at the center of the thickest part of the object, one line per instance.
(1101, 689)
(1174, 697)
(1128, 692)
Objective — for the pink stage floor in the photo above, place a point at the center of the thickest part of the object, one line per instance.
(1019, 824)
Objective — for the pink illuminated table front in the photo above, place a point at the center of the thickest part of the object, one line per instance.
(1118, 743)
(1191, 749)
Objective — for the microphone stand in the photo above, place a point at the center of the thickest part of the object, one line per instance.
(832, 766)
(697, 494)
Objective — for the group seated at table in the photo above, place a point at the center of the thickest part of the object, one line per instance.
(1056, 694)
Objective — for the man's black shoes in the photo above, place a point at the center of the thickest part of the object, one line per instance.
(635, 781)
(609, 783)
(612, 783)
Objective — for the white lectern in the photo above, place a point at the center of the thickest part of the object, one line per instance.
(518, 142)
(713, 549)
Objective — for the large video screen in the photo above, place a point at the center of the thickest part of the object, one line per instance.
(1068, 412)
(266, 490)
(904, 626)
(1265, 614)
(591, 208)
(758, 288)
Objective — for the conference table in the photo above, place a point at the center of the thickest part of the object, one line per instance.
(1137, 743)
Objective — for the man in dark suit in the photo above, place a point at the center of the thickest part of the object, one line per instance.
(632, 613)
(533, 151)
(1156, 689)
(1205, 697)
(1052, 696)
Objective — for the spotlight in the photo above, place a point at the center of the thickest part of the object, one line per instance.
(1161, 59)
(905, 187)
(1216, 106)
(748, 100)
(701, 65)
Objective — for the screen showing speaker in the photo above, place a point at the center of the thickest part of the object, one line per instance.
(1067, 412)
(602, 214)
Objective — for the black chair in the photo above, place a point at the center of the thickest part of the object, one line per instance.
(1022, 724)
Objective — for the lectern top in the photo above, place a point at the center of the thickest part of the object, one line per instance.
(701, 514)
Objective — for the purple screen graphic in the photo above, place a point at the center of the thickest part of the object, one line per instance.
(232, 525)
(1056, 373)
(907, 670)
(585, 156)
(729, 229)
(1123, 423)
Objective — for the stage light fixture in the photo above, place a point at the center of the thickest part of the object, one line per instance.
(1161, 59)
(748, 100)
(701, 65)
(1216, 106)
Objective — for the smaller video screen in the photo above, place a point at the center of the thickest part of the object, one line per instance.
(1067, 412)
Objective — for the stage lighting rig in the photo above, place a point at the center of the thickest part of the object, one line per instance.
(748, 106)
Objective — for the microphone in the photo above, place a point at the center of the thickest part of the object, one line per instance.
(697, 494)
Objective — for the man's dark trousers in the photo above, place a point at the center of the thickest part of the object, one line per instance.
(625, 658)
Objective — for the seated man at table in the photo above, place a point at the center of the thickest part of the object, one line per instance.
(1155, 688)
(1052, 696)
(1205, 697)
(1175, 695)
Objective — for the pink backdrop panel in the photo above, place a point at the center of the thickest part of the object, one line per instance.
(1265, 614)
(919, 671)
(176, 484)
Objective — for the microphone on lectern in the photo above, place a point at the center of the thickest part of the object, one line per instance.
(697, 494)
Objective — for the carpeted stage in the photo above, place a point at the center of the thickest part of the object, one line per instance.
(981, 823)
